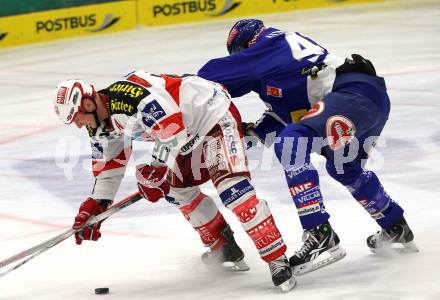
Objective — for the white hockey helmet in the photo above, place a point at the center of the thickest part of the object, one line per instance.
(68, 98)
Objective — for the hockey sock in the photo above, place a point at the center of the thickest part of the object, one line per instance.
(369, 192)
(204, 216)
(255, 216)
(293, 151)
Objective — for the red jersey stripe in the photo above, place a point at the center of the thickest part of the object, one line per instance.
(172, 85)
(138, 80)
(118, 162)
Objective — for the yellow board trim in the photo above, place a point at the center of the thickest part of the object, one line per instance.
(61, 23)
(169, 12)
(124, 15)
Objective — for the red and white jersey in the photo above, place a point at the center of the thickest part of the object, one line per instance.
(175, 112)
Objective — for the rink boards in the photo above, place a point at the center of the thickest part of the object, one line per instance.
(124, 15)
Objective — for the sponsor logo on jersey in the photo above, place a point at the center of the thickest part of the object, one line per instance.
(120, 106)
(190, 143)
(127, 89)
(274, 91)
(340, 131)
(316, 109)
(152, 112)
(87, 22)
(61, 95)
(235, 192)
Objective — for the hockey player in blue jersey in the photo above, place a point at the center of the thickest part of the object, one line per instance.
(317, 102)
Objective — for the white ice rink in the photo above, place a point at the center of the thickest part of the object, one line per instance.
(149, 251)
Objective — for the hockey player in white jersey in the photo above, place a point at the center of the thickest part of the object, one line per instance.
(198, 137)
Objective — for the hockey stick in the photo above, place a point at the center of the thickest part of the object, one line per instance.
(40, 248)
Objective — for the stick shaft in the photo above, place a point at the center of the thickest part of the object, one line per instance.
(65, 235)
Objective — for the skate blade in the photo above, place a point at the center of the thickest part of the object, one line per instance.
(336, 254)
(406, 248)
(287, 285)
(236, 266)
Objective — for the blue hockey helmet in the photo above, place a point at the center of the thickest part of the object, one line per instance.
(242, 33)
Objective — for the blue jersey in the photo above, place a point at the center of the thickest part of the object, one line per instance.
(289, 71)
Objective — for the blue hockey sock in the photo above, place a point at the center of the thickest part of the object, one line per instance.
(303, 183)
(369, 192)
(293, 151)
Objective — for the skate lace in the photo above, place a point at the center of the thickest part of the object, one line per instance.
(309, 240)
(278, 265)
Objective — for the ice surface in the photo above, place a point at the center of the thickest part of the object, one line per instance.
(149, 251)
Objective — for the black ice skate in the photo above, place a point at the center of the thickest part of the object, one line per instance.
(400, 235)
(229, 257)
(282, 274)
(321, 248)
